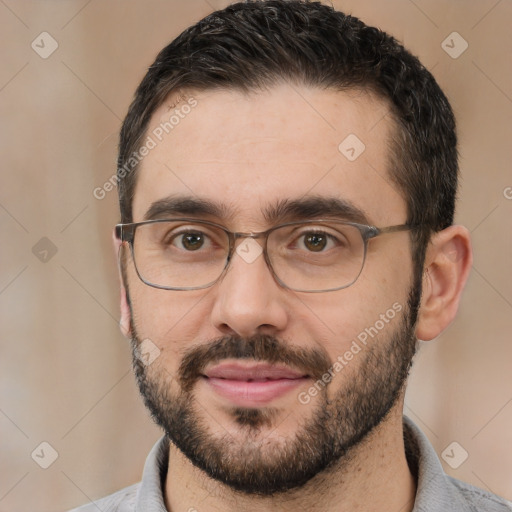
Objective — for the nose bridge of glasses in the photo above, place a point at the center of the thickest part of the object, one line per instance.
(248, 253)
(253, 234)
(241, 235)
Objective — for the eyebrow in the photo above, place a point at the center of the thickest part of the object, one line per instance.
(284, 210)
(311, 207)
(185, 205)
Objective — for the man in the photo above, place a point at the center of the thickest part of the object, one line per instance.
(287, 180)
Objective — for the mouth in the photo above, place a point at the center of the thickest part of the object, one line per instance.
(252, 384)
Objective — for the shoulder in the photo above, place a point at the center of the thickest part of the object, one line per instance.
(478, 499)
(121, 501)
(438, 492)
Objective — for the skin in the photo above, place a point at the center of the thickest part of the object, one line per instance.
(249, 151)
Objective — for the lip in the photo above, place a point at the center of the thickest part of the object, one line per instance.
(252, 384)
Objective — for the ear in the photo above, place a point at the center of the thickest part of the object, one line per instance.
(125, 323)
(448, 261)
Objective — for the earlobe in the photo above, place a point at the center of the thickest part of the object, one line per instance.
(125, 322)
(447, 264)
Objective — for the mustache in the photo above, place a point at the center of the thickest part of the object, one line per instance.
(313, 362)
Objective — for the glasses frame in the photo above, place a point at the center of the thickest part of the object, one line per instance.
(126, 233)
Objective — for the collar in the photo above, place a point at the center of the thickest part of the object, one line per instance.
(436, 492)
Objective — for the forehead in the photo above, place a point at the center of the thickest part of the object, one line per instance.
(247, 152)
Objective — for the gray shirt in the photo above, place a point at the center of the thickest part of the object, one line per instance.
(436, 491)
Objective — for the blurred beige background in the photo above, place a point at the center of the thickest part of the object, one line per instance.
(65, 368)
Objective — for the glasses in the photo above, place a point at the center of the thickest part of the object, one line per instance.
(306, 256)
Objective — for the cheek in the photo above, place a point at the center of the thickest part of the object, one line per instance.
(357, 341)
(366, 312)
(172, 320)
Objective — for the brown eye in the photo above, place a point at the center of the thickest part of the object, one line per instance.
(191, 241)
(315, 242)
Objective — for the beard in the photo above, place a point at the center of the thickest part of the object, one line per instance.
(253, 463)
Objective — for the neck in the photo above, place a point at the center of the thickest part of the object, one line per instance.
(373, 477)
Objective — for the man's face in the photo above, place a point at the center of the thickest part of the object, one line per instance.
(234, 381)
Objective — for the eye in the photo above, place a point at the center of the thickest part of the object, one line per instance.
(316, 241)
(191, 241)
(189, 238)
(183, 239)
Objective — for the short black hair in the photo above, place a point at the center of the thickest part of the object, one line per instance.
(253, 45)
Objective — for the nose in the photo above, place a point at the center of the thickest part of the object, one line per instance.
(248, 301)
